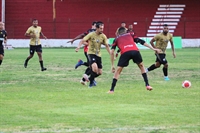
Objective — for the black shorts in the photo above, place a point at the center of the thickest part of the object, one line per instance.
(37, 48)
(161, 58)
(127, 56)
(1, 50)
(95, 59)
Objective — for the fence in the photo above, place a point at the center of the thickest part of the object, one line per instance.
(69, 28)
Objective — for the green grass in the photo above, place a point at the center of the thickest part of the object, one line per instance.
(55, 101)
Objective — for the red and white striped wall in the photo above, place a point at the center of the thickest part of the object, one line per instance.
(165, 14)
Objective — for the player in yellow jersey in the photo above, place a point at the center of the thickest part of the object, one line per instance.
(95, 40)
(34, 33)
(162, 40)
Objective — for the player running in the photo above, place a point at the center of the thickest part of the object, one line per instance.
(162, 40)
(34, 33)
(80, 62)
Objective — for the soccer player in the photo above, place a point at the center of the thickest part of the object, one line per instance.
(34, 33)
(130, 30)
(123, 24)
(3, 39)
(126, 42)
(95, 40)
(162, 40)
(80, 62)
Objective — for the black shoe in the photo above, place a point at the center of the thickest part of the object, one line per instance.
(25, 64)
(43, 69)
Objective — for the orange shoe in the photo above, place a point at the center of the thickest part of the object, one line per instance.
(149, 88)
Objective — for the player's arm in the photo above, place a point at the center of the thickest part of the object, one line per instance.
(172, 46)
(28, 34)
(152, 42)
(77, 37)
(43, 35)
(118, 51)
(116, 33)
(82, 42)
(105, 43)
(112, 58)
(5, 38)
(107, 48)
(142, 42)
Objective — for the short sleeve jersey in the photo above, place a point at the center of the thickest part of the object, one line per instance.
(162, 41)
(3, 35)
(35, 30)
(95, 41)
(87, 32)
(126, 42)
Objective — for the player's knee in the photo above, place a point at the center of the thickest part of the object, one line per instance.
(31, 56)
(100, 73)
(140, 65)
(157, 65)
(1, 57)
(119, 70)
(166, 66)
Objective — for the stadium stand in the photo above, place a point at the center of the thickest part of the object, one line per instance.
(72, 17)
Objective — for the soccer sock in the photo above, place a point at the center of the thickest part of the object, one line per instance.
(144, 75)
(85, 64)
(92, 76)
(26, 62)
(83, 79)
(152, 67)
(41, 64)
(113, 84)
(96, 75)
(27, 59)
(0, 62)
(165, 71)
(88, 71)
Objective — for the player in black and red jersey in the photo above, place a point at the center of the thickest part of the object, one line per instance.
(80, 62)
(129, 30)
(126, 42)
(3, 39)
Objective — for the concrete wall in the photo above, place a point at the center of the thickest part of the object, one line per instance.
(24, 43)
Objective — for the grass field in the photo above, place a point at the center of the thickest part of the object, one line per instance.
(55, 101)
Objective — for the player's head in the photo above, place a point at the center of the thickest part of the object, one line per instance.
(121, 30)
(99, 27)
(130, 27)
(1, 25)
(94, 25)
(165, 29)
(123, 24)
(35, 22)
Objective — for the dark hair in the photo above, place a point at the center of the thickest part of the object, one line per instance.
(121, 30)
(98, 24)
(93, 23)
(165, 25)
(34, 19)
